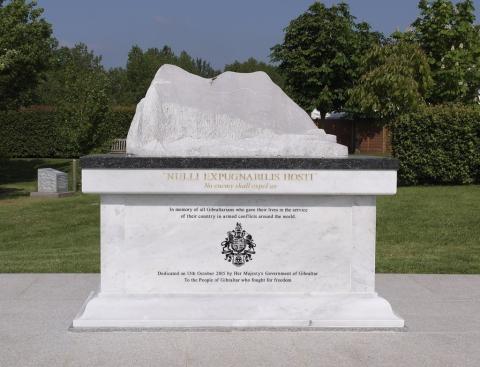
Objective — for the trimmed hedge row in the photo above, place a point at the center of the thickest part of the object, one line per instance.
(37, 134)
(115, 127)
(28, 134)
(438, 145)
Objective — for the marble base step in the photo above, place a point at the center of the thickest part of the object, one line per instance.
(237, 310)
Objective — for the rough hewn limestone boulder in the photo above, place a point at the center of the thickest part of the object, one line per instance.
(232, 115)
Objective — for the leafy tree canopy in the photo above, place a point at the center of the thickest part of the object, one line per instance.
(395, 79)
(118, 87)
(67, 66)
(320, 55)
(142, 66)
(78, 86)
(451, 40)
(26, 44)
(252, 65)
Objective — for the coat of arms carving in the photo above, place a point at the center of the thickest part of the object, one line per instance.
(238, 246)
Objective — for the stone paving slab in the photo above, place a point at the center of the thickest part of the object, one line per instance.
(441, 312)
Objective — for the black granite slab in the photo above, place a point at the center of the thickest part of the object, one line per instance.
(120, 161)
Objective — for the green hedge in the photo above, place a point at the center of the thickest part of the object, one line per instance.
(438, 145)
(28, 134)
(37, 134)
(116, 127)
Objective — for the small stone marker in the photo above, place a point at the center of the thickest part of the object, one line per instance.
(52, 183)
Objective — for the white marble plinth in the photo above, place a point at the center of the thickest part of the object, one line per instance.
(278, 182)
(302, 251)
(348, 310)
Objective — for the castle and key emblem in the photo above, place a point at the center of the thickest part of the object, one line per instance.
(238, 247)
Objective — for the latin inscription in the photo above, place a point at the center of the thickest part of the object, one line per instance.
(239, 180)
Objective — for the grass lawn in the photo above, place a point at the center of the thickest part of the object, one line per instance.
(45, 235)
(429, 229)
(419, 230)
(18, 177)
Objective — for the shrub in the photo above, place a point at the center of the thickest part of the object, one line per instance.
(438, 145)
(115, 126)
(28, 134)
(40, 134)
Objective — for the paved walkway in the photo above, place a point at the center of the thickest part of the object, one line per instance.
(442, 314)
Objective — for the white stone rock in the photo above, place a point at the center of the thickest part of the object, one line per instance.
(232, 115)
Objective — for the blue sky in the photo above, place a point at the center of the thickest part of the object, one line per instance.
(218, 31)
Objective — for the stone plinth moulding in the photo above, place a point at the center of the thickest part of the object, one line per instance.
(237, 242)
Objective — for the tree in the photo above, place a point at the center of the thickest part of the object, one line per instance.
(320, 55)
(142, 66)
(395, 79)
(204, 69)
(118, 86)
(252, 65)
(26, 44)
(77, 86)
(66, 64)
(449, 37)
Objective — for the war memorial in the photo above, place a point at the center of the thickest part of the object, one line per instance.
(232, 209)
